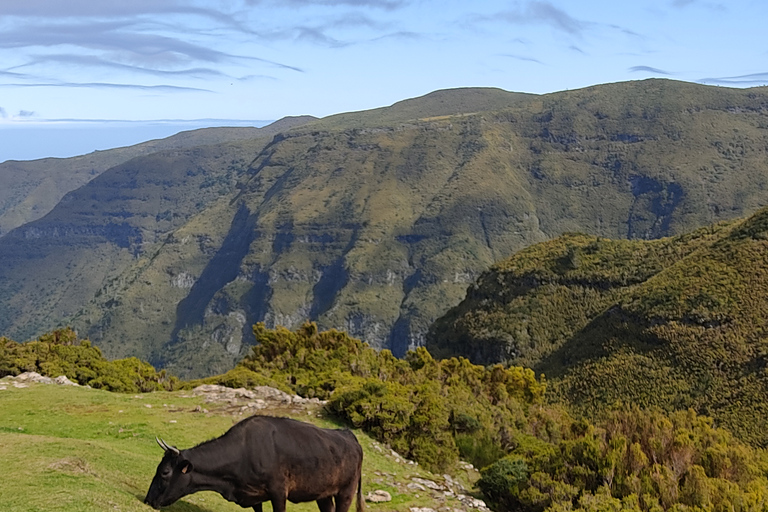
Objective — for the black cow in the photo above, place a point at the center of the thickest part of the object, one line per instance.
(265, 459)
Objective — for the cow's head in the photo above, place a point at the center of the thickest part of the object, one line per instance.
(172, 478)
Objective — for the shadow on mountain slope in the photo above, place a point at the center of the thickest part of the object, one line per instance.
(222, 269)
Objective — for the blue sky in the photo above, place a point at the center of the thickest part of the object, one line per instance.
(152, 67)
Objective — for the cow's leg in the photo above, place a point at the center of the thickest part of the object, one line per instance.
(278, 503)
(345, 497)
(326, 504)
(257, 508)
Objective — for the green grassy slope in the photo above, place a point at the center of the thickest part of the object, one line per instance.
(674, 323)
(80, 450)
(30, 189)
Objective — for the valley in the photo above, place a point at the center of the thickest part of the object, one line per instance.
(373, 222)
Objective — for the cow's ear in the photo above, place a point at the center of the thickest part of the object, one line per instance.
(186, 466)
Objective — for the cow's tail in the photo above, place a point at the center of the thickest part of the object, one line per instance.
(360, 501)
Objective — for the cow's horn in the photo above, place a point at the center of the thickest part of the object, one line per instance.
(172, 448)
(165, 446)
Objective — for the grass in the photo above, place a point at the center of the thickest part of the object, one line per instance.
(76, 449)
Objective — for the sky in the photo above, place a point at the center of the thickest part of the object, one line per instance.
(80, 75)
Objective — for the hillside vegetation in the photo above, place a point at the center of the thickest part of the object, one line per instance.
(373, 222)
(674, 323)
(535, 457)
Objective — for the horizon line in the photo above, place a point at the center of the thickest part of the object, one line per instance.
(7, 123)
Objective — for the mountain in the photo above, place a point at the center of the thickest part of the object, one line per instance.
(674, 323)
(437, 104)
(32, 188)
(373, 222)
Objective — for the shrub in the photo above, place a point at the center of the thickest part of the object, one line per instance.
(62, 353)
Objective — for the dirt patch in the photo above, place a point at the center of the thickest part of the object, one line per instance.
(71, 465)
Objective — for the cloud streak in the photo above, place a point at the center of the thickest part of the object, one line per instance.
(107, 85)
(110, 37)
(128, 37)
(388, 5)
(112, 9)
(541, 12)
(120, 45)
(751, 79)
(222, 11)
(648, 69)
(97, 62)
(681, 4)
(521, 57)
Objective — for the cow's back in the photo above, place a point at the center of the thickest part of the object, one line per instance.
(313, 462)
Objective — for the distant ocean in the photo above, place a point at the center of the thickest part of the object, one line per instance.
(62, 139)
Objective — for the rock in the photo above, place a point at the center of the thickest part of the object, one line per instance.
(208, 388)
(259, 395)
(378, 496)
(23, 380)
(243, 393)
(472, 502)
(276, 395)
(453, 483)
(429, 483)
(33, 377)
(421, 509)
(416, 487)
(62, 380)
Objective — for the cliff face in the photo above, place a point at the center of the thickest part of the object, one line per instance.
(376, 222)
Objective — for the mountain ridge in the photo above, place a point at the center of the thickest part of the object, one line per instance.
(378, 228)
(32, 188)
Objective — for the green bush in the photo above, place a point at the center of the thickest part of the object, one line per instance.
(632, 459)
(62, 353)
(417, 405)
